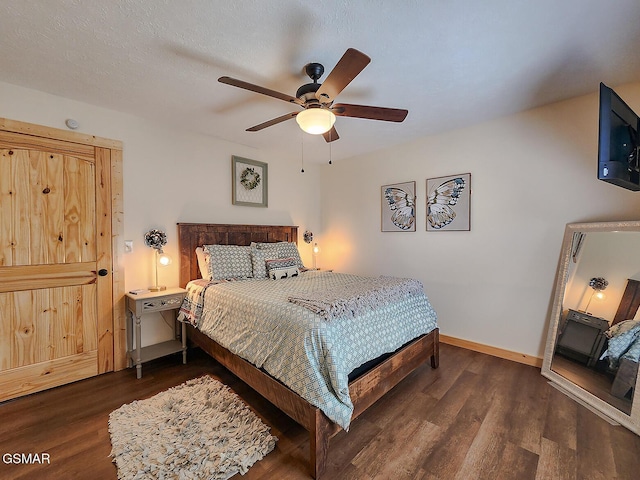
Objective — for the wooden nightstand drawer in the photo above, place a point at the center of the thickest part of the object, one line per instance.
(160, 304)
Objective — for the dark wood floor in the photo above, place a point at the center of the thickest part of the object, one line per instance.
(476, 417)
(595, 382)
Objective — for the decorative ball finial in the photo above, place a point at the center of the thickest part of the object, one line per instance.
(155, 239)
(308, 236)
(598, 283)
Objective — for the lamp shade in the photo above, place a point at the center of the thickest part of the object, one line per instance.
(316, 121)
(164, 259)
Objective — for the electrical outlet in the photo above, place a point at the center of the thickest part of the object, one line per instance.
(128, 246)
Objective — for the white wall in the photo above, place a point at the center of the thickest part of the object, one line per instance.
(531, 174)
(172, 176)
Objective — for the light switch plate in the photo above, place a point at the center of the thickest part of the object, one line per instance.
(128, 246)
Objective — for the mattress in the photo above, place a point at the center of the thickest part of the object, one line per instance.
(312, 356)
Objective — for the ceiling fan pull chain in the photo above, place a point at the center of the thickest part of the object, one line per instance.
(301, 151)
(330, 163)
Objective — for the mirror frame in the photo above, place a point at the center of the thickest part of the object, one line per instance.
(597, 405)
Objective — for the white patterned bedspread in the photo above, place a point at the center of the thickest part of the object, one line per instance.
(625, 343)
(313, 357)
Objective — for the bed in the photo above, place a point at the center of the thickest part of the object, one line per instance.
(623, 344)
(363, 389)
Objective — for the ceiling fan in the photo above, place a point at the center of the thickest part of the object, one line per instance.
(316, 99)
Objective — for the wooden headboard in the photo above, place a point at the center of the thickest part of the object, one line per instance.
(629, 303)
(193, 235)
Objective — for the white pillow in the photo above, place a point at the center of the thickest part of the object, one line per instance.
(203, 263)
(621, 327)
(282, 268)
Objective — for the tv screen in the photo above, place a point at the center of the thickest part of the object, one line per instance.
(618, 141)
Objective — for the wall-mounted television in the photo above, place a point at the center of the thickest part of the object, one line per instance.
(618, 141)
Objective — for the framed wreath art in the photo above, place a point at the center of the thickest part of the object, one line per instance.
(248, 182)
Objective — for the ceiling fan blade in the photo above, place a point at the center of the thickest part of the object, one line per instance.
(258, 89)
(372, 113)
(331, 135)
(274, 121)
(347, 68)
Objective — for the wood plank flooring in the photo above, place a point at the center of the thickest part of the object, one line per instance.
(595, 382)
(476, 417)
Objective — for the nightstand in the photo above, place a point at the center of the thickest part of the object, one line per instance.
(137, 306)
(582, 337)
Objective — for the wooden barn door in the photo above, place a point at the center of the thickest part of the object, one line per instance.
(56, 297)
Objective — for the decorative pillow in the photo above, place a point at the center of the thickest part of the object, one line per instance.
(289, 249)
(260, 252)
(282, 268)
(229, 261)
(621, 327)
(203, 263)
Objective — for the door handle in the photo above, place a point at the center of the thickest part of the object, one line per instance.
(103, 272)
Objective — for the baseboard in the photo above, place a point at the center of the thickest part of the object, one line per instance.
(495, 351)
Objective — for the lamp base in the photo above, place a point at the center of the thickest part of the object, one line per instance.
(157, 288)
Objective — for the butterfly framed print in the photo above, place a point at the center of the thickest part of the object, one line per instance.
(449, 203)
(399, 207)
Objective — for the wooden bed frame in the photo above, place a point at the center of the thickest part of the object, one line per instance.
(364, 390)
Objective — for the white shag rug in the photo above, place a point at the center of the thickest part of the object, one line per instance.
(197, 430)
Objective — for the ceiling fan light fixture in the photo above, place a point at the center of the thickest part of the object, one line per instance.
(316, 121)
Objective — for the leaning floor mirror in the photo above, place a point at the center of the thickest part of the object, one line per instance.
(593, 343)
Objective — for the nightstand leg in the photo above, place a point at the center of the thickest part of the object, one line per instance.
(138, 348)
(129, 339)
(184, 343)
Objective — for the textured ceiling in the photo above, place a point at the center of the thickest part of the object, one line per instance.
(451, 63)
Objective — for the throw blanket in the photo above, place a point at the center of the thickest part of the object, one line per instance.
(191, 309)
(357, 297)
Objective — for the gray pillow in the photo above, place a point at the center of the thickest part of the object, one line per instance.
(229, 261)
(263, 251)
(290, 249)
